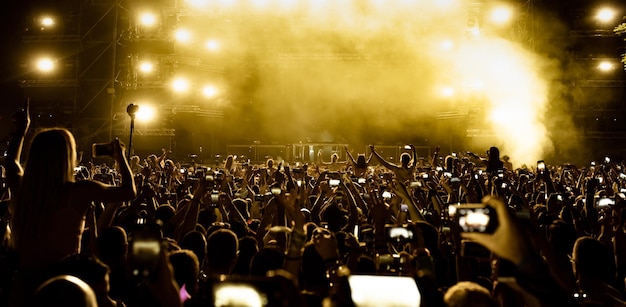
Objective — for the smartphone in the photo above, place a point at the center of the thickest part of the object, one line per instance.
(605, 202)
(374, 290)
(276, 191)
(398, 234)
(541, 165)
(361, 180)
(215, 197)
(415, 184)
(145, 251)
(476, 218)
(471, 249)
(333, 182)
(102, 149)
(386, 195)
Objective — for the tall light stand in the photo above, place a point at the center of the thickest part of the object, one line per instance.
(132, 111)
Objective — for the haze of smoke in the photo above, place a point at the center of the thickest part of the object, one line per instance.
(355, 72)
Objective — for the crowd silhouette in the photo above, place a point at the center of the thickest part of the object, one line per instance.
(457, 230)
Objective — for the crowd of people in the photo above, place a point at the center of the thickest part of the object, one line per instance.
(458, 230)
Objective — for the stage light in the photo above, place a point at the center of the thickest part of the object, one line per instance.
(606, 66)
(145, 113)
(209, 91)
(501, 15)
(146, 67)
(446, 45)
(212, 45)
(47, 22)
(475, 31)
(182, 35)
(180, 85)
(45, 65)
(446, 91)
(147, 19)
(605, 15)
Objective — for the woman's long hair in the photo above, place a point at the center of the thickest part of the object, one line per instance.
(49, 167)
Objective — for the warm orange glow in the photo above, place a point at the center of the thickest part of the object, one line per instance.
(45, 64)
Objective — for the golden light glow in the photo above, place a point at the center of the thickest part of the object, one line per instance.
(182, 36)
(47, 21)
(146, 67)
(147, 19)
(45, 65)
(145, 113)
(447, 91)
(197, 3)
(606, 66)
(501, 15)
(342, 57)
(605, 14)
(213, 45)
(209, 91)
(180, 85)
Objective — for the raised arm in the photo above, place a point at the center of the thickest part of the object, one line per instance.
(14, 171)
(381, 160)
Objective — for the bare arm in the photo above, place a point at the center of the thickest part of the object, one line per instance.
(14, 171)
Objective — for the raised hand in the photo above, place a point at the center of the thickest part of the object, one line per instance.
(21, 118)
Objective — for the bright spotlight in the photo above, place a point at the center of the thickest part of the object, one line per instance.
(447, 91)
(213, 45)
(606, 66)
(145, 113)
(45, 65)
(209, 91)
(475, 31)
(180, 85)
(147, 19)
(182, 35)
(146, 67)
(605, 14)
(446, 45)
(501, 15)
(47, 22)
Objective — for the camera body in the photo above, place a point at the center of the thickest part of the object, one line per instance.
(102, 149)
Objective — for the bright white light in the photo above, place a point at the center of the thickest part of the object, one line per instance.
(182, 35)
(475, 31)
(180, 85)
(47, 22)
(446, 45)
(147, 19)
(606, 14)
(501, 15)
(444, 3)
(146, 67)
(447, 91)
(213, 45)
(287, 4)
(145, 113)
(237, 295)
(45, 65)
(606, 66)
(209, 91)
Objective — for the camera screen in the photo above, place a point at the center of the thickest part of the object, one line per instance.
(605, 202)
(373, 290)
(399, 234)
(237, 294)
(333, 182)
(474, 219)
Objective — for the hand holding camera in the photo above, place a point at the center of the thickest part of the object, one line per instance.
(508, 241)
